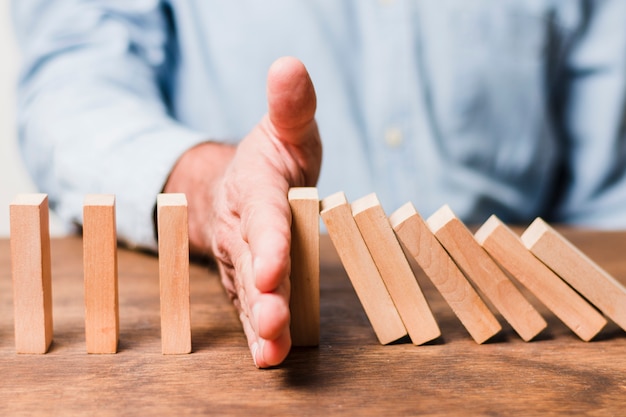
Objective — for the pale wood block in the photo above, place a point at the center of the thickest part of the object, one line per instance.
(100, 266)
(578, 270)
(304, 302)
(479, 268)
(31, 270)
(173, 232)
(365, 277)
(506, 248)
(432, 258)
(395, 270)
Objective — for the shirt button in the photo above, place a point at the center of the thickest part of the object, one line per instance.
(394, 137)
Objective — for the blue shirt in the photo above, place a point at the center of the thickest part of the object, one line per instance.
(514, 108)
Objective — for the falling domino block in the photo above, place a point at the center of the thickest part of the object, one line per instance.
(444, 274)
(395, 270)
(304, 302)
(100, 265)
(31, 270)
(507, 249)
(361, 269)
(585, 276)
(173, 232)
(485, 274)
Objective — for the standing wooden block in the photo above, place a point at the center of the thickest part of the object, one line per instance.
(395, 270)
(584, 275)
(361, 269)
(173, 232)
(304, 303)
(30, 260)
(508, 250)
(444, 274)
(485, 274)
(100, 265)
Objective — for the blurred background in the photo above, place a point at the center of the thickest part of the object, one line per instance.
(13, 176)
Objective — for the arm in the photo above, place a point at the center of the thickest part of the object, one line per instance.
(92, 115)
(93, 119)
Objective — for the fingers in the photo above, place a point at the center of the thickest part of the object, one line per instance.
(252, 228)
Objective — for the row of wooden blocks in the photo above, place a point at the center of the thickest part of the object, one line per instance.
(465, 268)
(32, 281)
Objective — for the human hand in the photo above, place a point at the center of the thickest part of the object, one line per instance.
(238, 207)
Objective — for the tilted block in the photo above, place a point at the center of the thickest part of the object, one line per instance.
(444, 273)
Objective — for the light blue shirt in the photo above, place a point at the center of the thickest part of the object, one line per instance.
(514, 108)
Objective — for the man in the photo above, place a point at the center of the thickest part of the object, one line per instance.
(507, 107)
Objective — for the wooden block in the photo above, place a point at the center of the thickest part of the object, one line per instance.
(100, 265)
(395, 270)
(304, 302)
(173, 232)
(479, 268)
(32, 281)
(509, 252)
(361, 269)
(584, 275)
(444, 274)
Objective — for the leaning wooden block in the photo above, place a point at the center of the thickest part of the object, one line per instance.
(584, 275)
(173, 232)
(361, 269)
(510, 253)
(485, 274)
(444, 274)
(100, 265)
(304, 302)
(30, 261)
(395, 270)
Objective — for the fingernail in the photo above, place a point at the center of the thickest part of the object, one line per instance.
(256, 313)
(255, 348)
(256, 266)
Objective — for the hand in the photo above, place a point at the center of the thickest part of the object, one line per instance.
(238, 207)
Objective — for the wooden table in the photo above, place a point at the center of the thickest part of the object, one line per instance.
(350, 373)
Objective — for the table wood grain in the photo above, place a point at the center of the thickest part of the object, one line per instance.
(348, 374)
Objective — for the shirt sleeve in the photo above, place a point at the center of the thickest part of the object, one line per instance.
(594, 121)
(92, 106)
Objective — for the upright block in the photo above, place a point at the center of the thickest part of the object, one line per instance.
(173, 232)
(100, 265)
(30, 260)
(395, 270)
(508, 250)
(485, 274)
(305, 266)
(361, 269)
(584, 275)
(444, 274)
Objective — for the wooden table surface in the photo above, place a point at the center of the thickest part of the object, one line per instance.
(350, 373)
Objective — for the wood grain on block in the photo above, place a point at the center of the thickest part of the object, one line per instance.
(31, 270)
(361, 269)
(444, 273)
(304, 302)
(573, 266)
(100, 265)
(479, 268)
(506, 248)
(173, 232)
(395, 270)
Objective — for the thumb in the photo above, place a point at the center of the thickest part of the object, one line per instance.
(291, 99)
